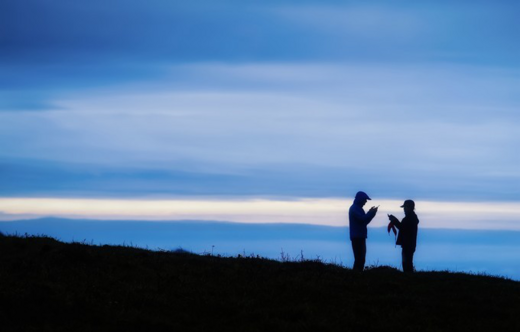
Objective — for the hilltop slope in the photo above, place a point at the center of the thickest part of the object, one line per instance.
(55, 286)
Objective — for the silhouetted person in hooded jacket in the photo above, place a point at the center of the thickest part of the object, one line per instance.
(407, 237)
(358, 221)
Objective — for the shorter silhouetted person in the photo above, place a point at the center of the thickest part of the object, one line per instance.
(407, 236)
(358, 221)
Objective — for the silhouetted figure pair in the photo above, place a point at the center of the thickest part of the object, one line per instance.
(407, 237)
(358, 221)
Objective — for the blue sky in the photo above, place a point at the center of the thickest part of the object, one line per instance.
(278, 100)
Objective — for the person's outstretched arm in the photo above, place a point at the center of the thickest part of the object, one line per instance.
(364, 217)
(395, 221)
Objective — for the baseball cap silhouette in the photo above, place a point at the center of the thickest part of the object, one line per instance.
(409, 203)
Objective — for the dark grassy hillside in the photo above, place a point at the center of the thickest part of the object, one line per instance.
(46, 285)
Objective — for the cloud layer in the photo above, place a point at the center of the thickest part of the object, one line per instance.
(275, 99)
(435, 132)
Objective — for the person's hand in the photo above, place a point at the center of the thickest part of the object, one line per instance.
(392, 218)
(374, 208)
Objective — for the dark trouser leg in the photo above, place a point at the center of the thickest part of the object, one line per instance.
(359, 247)
(407, 255)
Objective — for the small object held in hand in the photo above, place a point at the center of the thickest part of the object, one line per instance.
(391, 227)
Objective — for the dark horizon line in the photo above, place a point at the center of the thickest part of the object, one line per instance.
(235, 223)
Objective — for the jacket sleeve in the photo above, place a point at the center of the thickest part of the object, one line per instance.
(398, 224)
(365, 218)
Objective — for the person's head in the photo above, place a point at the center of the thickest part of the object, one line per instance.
(408, 206)
(361, 198)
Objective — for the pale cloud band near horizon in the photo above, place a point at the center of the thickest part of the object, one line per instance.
(324, 211)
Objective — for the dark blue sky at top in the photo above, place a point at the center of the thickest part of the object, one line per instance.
(60, 43)
(48, 46)
(60, 31)
(65, 50)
